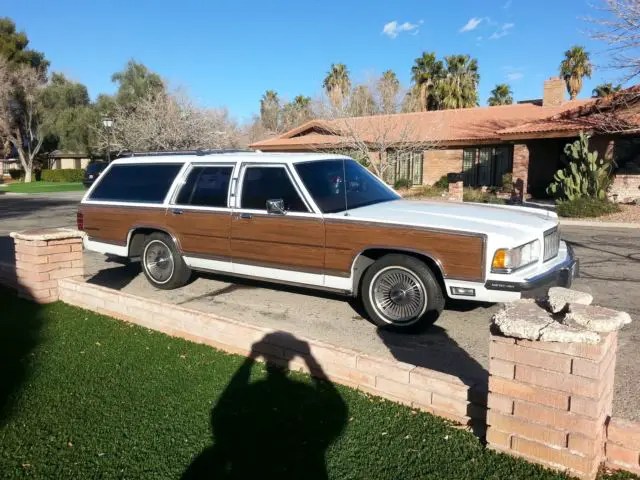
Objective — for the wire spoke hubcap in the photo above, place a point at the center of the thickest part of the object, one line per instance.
(398, 295)
(158, 261)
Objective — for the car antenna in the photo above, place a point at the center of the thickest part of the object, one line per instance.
(344, 183)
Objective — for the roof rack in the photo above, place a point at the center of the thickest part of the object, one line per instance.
(183, 152)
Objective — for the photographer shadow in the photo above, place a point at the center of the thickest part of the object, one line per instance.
(276, 426)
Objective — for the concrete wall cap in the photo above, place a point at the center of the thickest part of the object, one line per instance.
(48, 234)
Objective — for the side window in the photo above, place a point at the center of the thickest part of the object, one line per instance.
(267, 183)
(136, 183)
(206, 187)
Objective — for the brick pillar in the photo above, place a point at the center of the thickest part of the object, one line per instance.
(42, 257)
(520, 172)
(549, 402)
(456, 187)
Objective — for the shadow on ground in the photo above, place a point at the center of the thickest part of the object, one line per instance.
(20, 324)
(7, 250)
(275, 427)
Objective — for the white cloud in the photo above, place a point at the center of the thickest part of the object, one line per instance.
(393, 29)
(503, 31)
(507, 4)
(472, 24)
(515, 76)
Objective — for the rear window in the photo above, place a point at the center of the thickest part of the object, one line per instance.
(136, 183)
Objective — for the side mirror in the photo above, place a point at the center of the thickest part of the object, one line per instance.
(276, 207)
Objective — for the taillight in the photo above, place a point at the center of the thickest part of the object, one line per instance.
(80, 221)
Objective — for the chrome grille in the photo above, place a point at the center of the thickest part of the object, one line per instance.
(551, 244)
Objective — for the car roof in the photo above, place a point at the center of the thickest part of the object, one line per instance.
(225, 157)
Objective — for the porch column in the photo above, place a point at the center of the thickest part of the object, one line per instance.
(520, 171)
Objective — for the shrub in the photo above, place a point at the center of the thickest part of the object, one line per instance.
(443, 183)
(507, 183)
(67, 175)
(16, 174)
(401, 183)
(586, 207)
(477, 195)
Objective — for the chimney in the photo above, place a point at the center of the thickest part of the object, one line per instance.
(554, 89)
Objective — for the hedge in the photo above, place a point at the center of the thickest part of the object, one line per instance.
(67, 175)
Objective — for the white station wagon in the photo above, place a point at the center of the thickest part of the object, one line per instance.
(320, 221)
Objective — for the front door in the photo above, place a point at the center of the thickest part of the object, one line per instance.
(285, 246)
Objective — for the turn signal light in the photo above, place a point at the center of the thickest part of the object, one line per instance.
(499, 260)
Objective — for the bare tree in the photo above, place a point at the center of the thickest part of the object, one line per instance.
(371, 139)
(20, 115)
(620, 28)
(169, 122)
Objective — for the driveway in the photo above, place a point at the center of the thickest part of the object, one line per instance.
(457, 344)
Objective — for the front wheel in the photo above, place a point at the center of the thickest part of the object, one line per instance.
(401, 291)
(162, 263)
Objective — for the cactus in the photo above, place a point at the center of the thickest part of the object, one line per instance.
(585, 176)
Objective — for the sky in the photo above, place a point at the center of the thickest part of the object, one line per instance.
(227, 53)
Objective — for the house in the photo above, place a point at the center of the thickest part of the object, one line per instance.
(526, 139)
(54, 160)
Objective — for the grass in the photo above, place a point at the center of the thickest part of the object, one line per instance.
(586, 207)
(42, 187)
(478, 196)
(85, 396)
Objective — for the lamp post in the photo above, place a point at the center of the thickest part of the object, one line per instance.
(107, 123)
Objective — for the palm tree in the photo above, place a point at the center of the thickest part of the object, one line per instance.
(605, 89)
(388, 87)
(501, 95)
(270, 110)
(574, 67)
(337, 84)
(458, 88)
(425, 74)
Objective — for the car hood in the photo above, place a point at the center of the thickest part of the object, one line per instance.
(514, 222)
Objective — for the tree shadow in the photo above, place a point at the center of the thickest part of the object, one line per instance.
(20, 324)
(277, 426)
(20, 205)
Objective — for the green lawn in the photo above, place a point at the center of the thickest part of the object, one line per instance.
(85, 396)
(42, 187)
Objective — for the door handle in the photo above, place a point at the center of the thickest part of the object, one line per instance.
(176, 212)
(246, 215)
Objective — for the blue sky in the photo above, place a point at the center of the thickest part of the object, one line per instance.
(229, 53)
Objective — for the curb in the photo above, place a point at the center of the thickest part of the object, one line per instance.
(590, 223)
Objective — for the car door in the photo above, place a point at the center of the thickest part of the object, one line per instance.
(287, 245)
(200, 215)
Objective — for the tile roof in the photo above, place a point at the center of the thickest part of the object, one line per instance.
(441, 126)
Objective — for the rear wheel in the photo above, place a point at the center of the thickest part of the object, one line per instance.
(401, 291)
(162, 263)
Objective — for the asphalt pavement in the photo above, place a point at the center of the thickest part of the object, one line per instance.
(457, 344)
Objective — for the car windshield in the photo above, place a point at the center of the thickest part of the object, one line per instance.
(325, 181)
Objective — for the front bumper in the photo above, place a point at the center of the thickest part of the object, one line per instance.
(561, 275)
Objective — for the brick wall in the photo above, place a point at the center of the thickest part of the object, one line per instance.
(520, 170)
(436, 392)
(42, 258)
(623, 445)
(439, 162)
(625, 188)
(549, 402)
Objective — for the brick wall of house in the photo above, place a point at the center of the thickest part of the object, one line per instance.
(625, 188)
(439, 162)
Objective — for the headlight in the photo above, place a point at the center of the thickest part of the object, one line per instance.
(506, 260)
